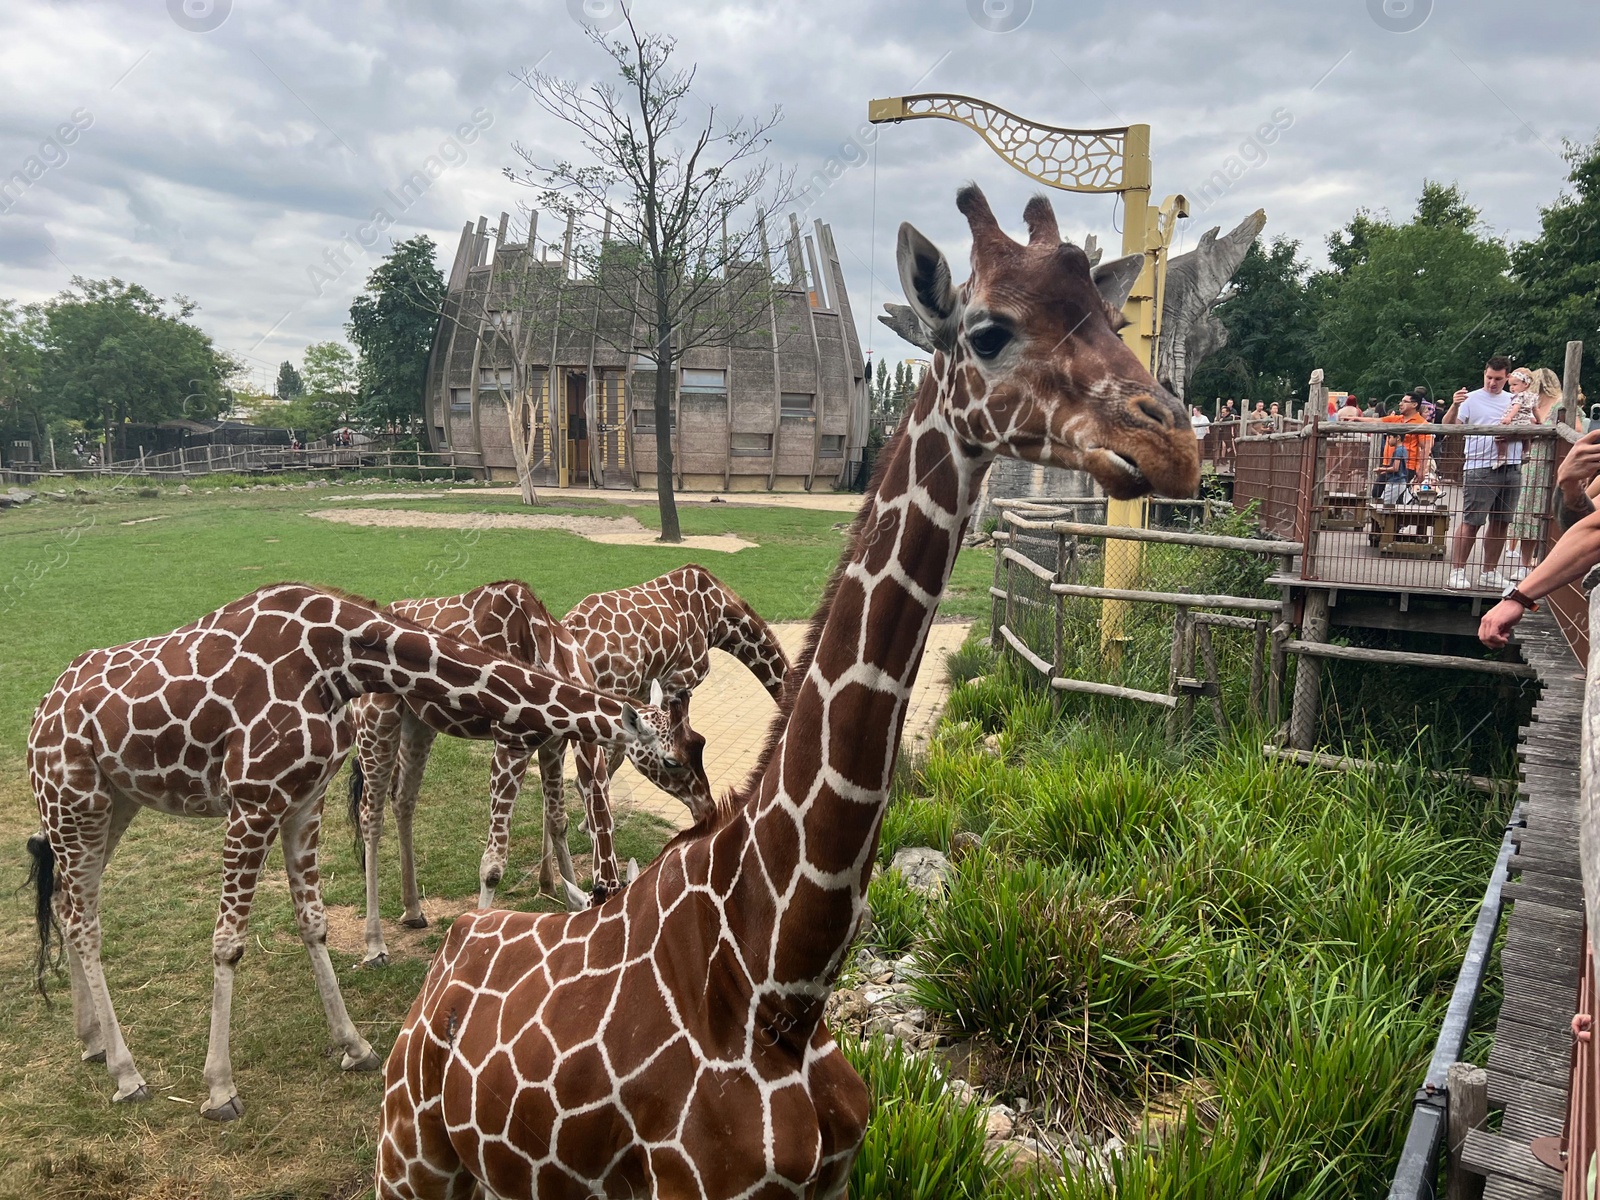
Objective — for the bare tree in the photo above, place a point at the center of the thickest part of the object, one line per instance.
(669, 216)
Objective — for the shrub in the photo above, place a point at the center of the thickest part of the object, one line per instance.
(899, 913)
(922, 1143)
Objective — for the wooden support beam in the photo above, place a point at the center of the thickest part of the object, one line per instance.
(1210, 541)
(1120, 693)
(1307, 706)
(1406, 658)
(1345, 762)
(1469, 1109)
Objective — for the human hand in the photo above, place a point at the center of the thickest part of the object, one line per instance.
(1459, 397)
(1579, 468)
(1494, 631)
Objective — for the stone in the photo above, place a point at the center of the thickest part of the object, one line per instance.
(961, 1091)
(991, 744)
(1025, 1156)
(999, 1123)
(923, 868)
(955, 1060)
(184, 489)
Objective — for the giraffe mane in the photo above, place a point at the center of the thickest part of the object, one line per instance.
(733, 801)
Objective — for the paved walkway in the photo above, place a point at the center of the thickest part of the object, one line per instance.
(821, 501)
(732, 710)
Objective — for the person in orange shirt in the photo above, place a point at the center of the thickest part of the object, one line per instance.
(1405, 458)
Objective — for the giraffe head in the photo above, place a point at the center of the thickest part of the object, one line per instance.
(1032, 363)
(672, 755)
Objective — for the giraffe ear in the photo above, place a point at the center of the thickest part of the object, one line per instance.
(925, 276)
(1114, 280)
(633, 727)
(656, 694)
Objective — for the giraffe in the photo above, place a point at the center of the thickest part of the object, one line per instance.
(661, 632)
(243, 715)
(670, 1041)
(392, 747)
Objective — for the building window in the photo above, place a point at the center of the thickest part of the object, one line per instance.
(704, 381)
(644, 360)
(752, 444)
(644, 421)
(797, 404)
(832, 446)
(498, 319)
(494, 379)
(461, 399)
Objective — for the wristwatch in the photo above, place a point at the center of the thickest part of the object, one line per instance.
(1513, 592)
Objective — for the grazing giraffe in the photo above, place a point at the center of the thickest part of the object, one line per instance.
(662, 632)
(392, 748)
(244, 715)
(670, 1042)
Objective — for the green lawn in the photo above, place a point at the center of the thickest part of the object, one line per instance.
(79, 575)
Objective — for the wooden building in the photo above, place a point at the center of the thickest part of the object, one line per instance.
(782, 408)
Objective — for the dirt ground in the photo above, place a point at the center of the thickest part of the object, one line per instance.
(613, 531)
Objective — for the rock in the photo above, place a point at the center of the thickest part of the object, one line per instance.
(962, 1091)
(906, 969)
(955, 1060)
(963, 844)
(1025, 1156)
(148, 493)
(999, 1124)
(184, 489)
(991, 744)
(905, 1031)
(923, 868)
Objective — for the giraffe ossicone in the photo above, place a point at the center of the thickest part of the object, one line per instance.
(243, 715)
(670, 1041)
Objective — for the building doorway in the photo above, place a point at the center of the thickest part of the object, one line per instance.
(578, 428)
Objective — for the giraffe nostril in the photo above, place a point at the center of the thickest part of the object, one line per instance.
(1152, 408)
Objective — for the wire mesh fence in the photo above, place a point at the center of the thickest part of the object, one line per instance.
(1407, 507)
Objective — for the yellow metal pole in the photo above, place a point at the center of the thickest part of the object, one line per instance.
(1124, 559)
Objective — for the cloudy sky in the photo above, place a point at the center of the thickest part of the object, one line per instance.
(223, 150)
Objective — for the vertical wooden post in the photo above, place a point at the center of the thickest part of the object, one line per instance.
(1208, 655)
(1059, 604)
(1308, 673)
(1469, 1109)
(1258, 657)
(1179, 620)
(52, 439)
(994, 601)
(1569, 383)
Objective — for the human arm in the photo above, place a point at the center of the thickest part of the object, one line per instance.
(1451, 414)
(1578, 479)
(1570, 559)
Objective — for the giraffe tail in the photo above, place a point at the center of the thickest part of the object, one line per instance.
(358, 787)
(42, 875)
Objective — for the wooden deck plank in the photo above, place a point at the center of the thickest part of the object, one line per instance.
(1490, 1154)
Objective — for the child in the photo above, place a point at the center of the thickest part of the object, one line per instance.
(1523, 408)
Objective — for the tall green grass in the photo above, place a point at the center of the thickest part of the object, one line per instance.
(1142, 916)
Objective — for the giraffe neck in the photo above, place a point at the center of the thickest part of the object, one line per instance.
(443, 678)
(827, 778)
(737, 629)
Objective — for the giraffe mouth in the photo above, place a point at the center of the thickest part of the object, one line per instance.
(1119, 475)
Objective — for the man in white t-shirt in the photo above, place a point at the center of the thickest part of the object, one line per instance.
(1489, 490)
(1199, 422)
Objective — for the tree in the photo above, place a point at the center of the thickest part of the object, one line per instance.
(671, 229)
(19, 373)
(111, 353)
(289, 383)
(392, 324)
(1558, 273)
(1421, 302)
(1267, 313)
(330, 369)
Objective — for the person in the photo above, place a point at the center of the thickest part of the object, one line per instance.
(1275, 416)
(1425, 406)
(1577, 483)
(1538, 398)
(1372, 411)
(1489, 489)
(1259, 421)
(1405, 457)
(1350, 411)
(1199, 422)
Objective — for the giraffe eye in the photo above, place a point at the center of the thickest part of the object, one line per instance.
(989, 340)
(671, 763)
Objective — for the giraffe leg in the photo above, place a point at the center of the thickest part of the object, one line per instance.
(251, 829)
(377, 739)
(81, 842)
(416, 741)
(301, 826)
(505, 784)
(557, 861)
(85, 1018)
(594, 780)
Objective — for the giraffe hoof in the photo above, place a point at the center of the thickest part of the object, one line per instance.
(137, 1096)
(370, 1063)
(94, 1056)
(231, 1111)
(377, 960)
(414, 922)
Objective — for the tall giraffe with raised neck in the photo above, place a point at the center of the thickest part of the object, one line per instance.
(244, 715)
(670, 1042)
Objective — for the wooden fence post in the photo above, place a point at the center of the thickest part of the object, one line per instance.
(1258, 655)
(1308, 673)
(1180, 621)
(994, 601)
(1469, 1109)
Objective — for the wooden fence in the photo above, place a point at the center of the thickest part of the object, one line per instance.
(198, 461)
